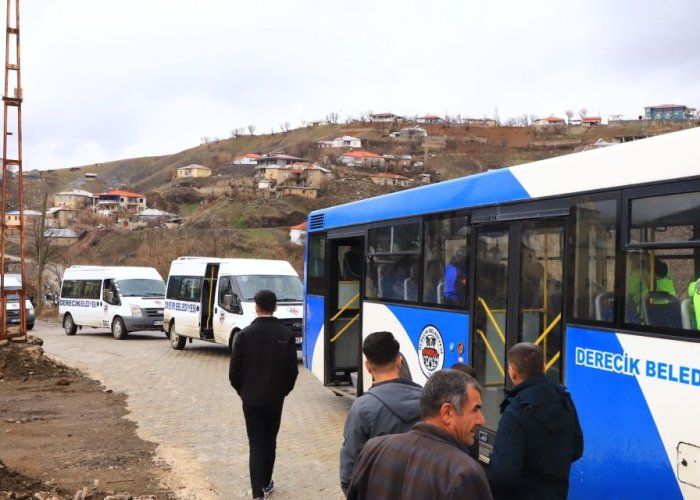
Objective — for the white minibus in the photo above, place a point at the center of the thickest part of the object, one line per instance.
(121, 298)
(212, 298)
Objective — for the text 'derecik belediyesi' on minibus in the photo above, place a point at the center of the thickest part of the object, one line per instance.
(120, 298)
(212, 298)
(594, 256)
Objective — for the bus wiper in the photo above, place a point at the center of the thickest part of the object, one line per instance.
(288, 299)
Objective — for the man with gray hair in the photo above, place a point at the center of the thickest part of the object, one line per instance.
(430, 461)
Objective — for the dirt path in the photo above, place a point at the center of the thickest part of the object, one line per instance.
(64, 433)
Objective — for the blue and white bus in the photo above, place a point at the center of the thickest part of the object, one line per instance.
(595, 256)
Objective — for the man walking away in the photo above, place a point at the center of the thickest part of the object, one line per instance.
(263, 371)
(390, 406)
(430, 461)
(539, 435)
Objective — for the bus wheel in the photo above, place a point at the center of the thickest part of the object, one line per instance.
(177, 342)
(230, 341)
(118, 329)
(69, 326)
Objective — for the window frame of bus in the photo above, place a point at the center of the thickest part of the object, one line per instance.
(576, 202)
(391, 254)
(467, 243)
(629, 196)
(316, 274)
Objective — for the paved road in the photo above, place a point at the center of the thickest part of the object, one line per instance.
(182, 400)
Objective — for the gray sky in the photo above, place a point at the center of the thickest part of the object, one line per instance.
(112, 79)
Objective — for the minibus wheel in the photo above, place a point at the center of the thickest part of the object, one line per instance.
(69, 325)
(118, 328)
(177, 342)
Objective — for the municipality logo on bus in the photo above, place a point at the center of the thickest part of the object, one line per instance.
(431, 351)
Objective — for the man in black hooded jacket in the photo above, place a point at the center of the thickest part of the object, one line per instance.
(539, 435)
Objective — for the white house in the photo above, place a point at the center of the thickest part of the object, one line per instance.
(383, 118)
(342, 142)
(297, 234)
(73, 199)
(246, 159)
(429, 119)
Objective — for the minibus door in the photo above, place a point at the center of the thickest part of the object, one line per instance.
(208, 302)
(343, 315)
(518, 278)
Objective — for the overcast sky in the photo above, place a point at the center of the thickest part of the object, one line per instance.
(112, 79)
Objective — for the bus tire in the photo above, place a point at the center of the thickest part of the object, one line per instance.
(230, 340)
(118, 329)
(69, 325)
(177, 342)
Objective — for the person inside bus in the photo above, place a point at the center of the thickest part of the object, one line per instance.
(663, 280)
(456, 278)
(539, 435)
(637, 284)
(390, 406)
(694, 294)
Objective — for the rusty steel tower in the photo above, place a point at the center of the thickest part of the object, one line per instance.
(12, 183)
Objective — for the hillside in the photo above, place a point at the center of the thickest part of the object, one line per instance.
(223, 219)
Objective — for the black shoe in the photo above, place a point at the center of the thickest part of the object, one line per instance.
(267, 490)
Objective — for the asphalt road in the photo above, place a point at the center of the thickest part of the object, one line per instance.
(182, 400)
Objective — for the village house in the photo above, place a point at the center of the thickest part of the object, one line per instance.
(193, 170)
(409, 133)
(384, 118)
(361, 159)
(429, 120)
(297, 234)
(342, 142)
(589, 121)
(60, 217)
(549, 121)
(114, 201)
(480, 122)
(90, 176)
(155, 216)
(30, 217)
(268, 165)
(246, 159)
(63, 237)
(75, 199)
(668, 112)
(385, 179)
(304, 174)
(397, 161)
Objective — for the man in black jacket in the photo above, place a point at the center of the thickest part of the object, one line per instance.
(263, 371)
(539, 435)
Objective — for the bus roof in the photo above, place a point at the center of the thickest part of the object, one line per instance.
(197, 265)
(111, 272)
(664, 157)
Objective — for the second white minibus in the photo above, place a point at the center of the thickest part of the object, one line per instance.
(212, 298)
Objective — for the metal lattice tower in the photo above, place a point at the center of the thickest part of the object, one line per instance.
(12, 183)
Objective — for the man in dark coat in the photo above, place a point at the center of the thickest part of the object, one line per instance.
(263, 371)
(390, 406)
(539, 435)
(430, 461)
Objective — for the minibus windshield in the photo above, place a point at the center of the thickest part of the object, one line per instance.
(141, 288)
(286, 288)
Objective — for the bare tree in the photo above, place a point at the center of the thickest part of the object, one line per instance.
(569, 113)
(333, 118)
(582, 113)
(42, 248)
(284, 126)
(524, 120)
(251, 129)
(206, 139)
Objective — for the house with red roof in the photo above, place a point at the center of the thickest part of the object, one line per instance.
(589, 121)
(549, 121)
(246, 159)
(297, 234)
(429, 120)
(114, 201)
(361, 159)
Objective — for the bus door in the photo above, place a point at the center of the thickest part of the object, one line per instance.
(343, 312)
(208, 299)
(517, 288)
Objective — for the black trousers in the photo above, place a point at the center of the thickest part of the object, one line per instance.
(262, 424)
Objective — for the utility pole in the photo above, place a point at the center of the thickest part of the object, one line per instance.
(12, 192)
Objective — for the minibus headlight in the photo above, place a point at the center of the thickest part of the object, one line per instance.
(136, 310)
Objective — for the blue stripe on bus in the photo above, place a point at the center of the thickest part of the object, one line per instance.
(624, 456)
(481, 189)
(313, 321)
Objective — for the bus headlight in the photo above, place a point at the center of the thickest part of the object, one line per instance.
(136, 310)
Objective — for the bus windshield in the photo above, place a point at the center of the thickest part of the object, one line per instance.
(141, 288)
(286, 288)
